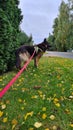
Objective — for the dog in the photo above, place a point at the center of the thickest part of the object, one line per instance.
(25, 52)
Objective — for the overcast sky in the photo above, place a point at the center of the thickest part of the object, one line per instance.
(38, 17)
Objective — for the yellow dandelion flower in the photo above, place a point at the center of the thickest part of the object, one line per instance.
(5, 120)
(0, 80)
(14, 122)
(54, 127)
(37, 124)
(52, 117)
(47, 129)
(31, 129)
(56, 100)
(22, 108)
(1, 113)
(19, 100)
(71, 125)
(44, 109)
(57, 104)
(34, 97)
(44, 116)
(3, 106)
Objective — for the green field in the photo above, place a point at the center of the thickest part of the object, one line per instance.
(40, 99)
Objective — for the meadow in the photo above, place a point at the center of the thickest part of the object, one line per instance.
(41, 98)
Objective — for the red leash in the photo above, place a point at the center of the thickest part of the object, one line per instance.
(14, 78)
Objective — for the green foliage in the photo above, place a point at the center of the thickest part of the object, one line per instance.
(24, 39)
(71, 23)
(51, 104)
(62, 28)
(51, 41)
(10, 19)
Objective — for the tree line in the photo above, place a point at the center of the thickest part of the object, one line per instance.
(62, 35)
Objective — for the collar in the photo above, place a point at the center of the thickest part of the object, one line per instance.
(37, 48)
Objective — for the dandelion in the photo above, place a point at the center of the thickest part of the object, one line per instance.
(1, 80)
(56, 100)
(71, 97)
(38, 124)
(5, 120)
(54, 127)
(1, 113)
(47, 129)
(19, 100)
(22, 108)
(34, 97)
(31, 129)
(3, 106)
(71, 125)
(52, 117)
(44, 109)
(44, 116)
(57, 104)
(14, 122)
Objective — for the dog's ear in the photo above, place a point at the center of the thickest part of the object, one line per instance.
(44, 39)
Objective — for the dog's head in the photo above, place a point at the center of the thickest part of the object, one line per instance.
(46, 45)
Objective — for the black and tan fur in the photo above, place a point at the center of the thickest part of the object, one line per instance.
(25, 52)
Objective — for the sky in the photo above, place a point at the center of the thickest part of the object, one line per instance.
(38, 17)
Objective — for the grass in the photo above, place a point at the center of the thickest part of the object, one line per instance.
(40, 98)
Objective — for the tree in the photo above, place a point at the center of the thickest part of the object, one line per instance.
(63, 28)
(24, 39)
(51, 41)
(10, 19)
(55, 32)
(70, 4)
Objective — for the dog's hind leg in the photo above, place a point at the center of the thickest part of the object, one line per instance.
(18, 62)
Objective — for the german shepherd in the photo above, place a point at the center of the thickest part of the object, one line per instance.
(25, 52)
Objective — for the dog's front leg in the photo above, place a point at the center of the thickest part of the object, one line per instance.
(36, 59)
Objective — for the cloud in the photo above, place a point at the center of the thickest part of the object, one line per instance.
(38, 17)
